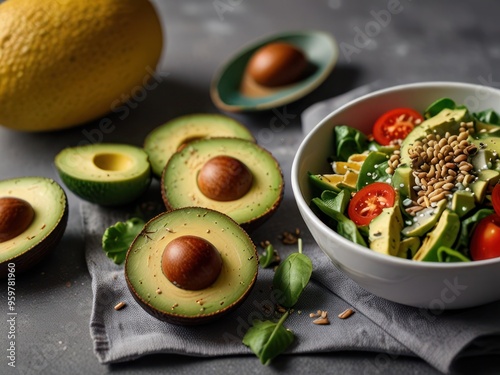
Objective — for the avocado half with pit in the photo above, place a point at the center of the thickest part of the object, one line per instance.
(166, 139)
(104, 173)
(190, 266)
(234, 176)
(33, 218)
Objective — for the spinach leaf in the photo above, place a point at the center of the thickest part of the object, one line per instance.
(373, 169)
(445, 254)
(336, 201)
(291, 277)
(348, 141)
(348, 229)
(467, 226)
(333, 208)
(438, 106)
(268, 339)
(117, 238)
(375, 146)
(269, 256)
(488, 117)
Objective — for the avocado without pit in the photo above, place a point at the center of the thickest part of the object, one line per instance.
(104, 173)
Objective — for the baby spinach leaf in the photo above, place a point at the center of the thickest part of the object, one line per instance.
(291, 277)
(117, 238)
(446, 254)
(373, 169)
(438, 106)
(336, 201)
(269, 256)
(268, 339)
(345, 226)
(467, 226)
(348, 229)
(488, 116)
(349, 141)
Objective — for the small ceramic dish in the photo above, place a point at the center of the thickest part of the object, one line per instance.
(233, 90)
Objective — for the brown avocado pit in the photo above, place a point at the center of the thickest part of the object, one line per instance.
(224, 178)
(15, 217)
(277, 64)
(33, 218)
(191, 262)
(191, 265)
(236, 177)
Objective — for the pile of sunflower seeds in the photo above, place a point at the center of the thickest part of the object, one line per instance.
(440, 164)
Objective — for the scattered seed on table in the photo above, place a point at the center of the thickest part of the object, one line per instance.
(120, 305)
(346, 314)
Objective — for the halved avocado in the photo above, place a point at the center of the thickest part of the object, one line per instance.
(147, 266)
(168, 138)
(45, 202)
(104, 173)
(234, 176)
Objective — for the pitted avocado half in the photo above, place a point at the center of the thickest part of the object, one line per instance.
(33, 217)
(104, 173)
(191, 265)
(168, 138)
(230, 175)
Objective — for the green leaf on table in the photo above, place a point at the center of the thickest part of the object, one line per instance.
(291, 277)
(268, 257)
(268, 339)
(117, 238)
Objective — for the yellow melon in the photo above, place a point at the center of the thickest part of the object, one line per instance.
(66, 62)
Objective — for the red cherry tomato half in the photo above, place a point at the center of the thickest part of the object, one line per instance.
(495, 198)
(369, 202)
(485, 238)
(395, 124)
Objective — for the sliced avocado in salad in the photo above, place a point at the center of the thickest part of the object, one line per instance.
(448, 120)
(444, 234)
(408, 247)
(384, 231)
(462, 202)
(424, 220)
(488, 153)
(403, 180)
(442, 189)
(486, 179)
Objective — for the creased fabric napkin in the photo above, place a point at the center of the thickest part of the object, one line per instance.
(377, 325)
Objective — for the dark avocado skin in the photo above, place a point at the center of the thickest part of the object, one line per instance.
(186, 320)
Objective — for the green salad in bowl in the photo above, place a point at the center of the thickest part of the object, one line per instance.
(421, 186)
(399, 189)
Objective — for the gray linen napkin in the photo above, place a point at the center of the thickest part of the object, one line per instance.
(378, 325)
(131, 332)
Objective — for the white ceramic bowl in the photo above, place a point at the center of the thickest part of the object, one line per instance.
(435, 286)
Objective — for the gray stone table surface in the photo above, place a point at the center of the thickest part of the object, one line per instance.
(409, 41)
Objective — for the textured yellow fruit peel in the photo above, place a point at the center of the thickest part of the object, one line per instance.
(66, 62)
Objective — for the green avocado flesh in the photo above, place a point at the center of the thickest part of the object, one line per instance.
(166, 301)
(166, 139)
(106, 174)
(48, 201)
(180, 187)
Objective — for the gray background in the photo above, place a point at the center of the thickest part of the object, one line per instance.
(427, 40)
